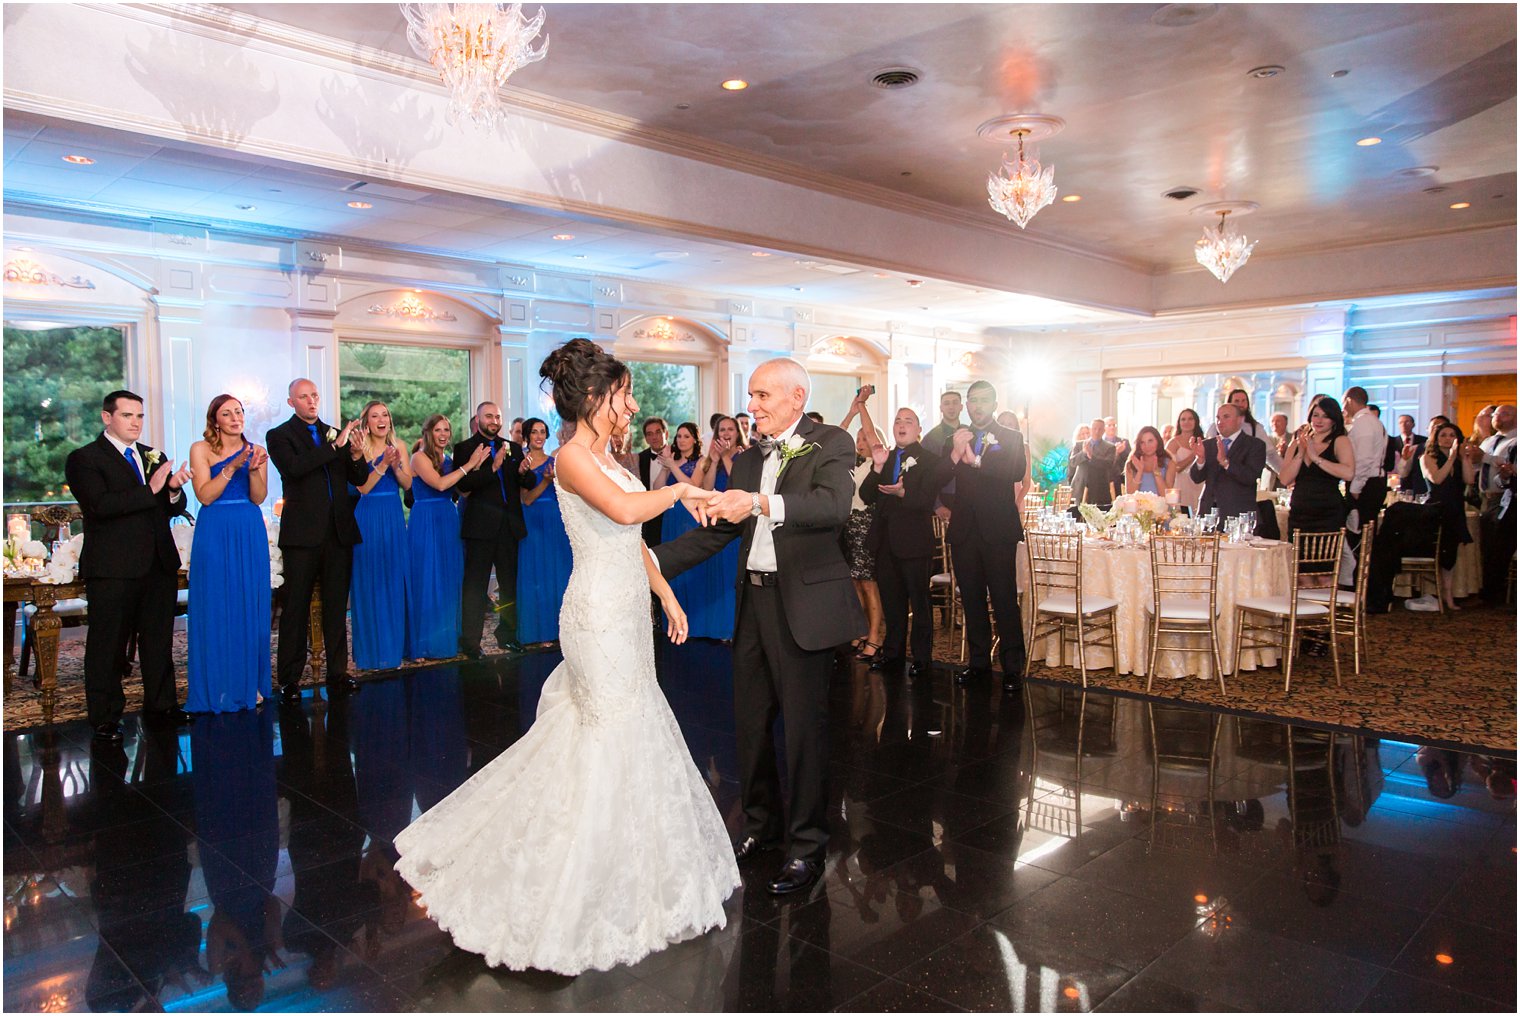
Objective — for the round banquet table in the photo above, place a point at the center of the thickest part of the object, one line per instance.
(1258, 568)
(1466, 576)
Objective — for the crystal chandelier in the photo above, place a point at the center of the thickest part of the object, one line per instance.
(474, 48)
(1220, 251)
(1021, 189)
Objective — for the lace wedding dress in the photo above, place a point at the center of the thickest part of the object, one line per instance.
(592, 841)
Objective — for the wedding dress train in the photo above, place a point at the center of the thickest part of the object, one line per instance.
(592, 840)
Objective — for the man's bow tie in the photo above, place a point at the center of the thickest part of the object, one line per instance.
(767, 446)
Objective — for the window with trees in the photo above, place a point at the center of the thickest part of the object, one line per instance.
(413, 381)
(667, 390)
(54, 381)
(831, 395)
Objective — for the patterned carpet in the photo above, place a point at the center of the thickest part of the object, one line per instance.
(1431, 678)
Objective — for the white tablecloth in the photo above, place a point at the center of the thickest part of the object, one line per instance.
(1124, 573)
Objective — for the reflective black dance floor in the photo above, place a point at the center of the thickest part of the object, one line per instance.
(988, 853)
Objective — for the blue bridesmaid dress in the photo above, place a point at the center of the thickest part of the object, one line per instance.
(543, 565)
(437, 566)
(380, 593)
(229, 601)
(706, 591)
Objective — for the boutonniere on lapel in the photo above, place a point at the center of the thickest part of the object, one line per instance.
(990, 441)
(332, 434)
(152, 459)
(793, 448)
(908, 464)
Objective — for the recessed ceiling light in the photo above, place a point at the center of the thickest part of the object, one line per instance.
(1339, 74)
(915, 283)
(683, 105)
(1369, 142)
(1438, 189)
(79, 160)
(759, 254)
(1460, 204)
(906, 172)
(1267, 71)
(563, 236)
(1072, 199)
(360, 204)
(735, 85)
(271, 190)
(246, 208)
(1414, 172)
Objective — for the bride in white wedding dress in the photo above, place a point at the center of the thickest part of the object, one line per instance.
(592, 840)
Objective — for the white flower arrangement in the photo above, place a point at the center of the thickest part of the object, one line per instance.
(63, 567)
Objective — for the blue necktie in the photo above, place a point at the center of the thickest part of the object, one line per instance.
(1227, 442)
(318, 441)
(981, 436)
(501, 480)
(897, 458)
(133, 463)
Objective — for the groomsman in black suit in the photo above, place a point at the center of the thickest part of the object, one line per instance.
(1229, 466)
(127, 492)
(491, 524)
(317, 534)
(652, 470)
(984, 533)
(903, 487)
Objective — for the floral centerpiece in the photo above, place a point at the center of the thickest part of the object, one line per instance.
(1096, 518)
(1150, 510)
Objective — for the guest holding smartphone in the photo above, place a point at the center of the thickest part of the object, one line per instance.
(229, 557)
(543, 561)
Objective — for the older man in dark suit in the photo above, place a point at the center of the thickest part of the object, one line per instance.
(127, 493)
(787, 503)
(1229, 466)
(317, 534)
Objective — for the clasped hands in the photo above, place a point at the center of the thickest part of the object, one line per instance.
(712, 506)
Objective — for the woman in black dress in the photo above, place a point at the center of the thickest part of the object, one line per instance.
(1448, 472)
(1318, 459)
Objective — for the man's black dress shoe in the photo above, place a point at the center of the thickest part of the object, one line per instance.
(290, 694)
(341, 684)
(916, 669)
(1013, 685)
(109, 733)
(167, 717)
(881, 663)
(795, 875)
(749, 847)
(966, 675)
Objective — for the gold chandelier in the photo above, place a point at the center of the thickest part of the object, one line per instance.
(474, 48)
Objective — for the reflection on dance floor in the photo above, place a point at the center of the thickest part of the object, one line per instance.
(1055, 852)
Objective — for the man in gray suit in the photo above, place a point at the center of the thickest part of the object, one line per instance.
(1229, 466)
(1092, 464)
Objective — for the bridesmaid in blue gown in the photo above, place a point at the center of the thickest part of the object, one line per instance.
(711, 616)
(380, 594)
(543, 557)
(707, 590)
(437, 557)
(229, 594)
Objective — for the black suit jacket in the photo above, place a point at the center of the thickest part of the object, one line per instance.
(486, 512)
(651, 528)
(305, 471)
(126, 525)
(985, 505)
(1232, 490)
(1091, 477)
(1415, 481)
(904, 526)
(821, 607)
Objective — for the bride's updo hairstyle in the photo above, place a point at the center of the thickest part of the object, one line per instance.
(583, 376)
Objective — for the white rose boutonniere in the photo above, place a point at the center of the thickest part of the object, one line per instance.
(793, 448)
(991, 441)
(908, 464)
(332, 434)
(153, 458)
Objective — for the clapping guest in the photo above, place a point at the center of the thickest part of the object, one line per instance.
(1149, 468)
(1495, 462)
(1092, 466)
(1408, 449)
(1078, 436)
(857, 547)
(382, 596)
(710, 587)
(435, 554)
(1228, 466)
(317, 534)
(743, 420)
(1180, 448)
(543, 561)
(686, 462)
(902, 484)
(1448, 472)
(1121, 448)
(1251, 427)
(1318, 459)
(229, 597)
(127, 493)
(491, 524)
(1368, 485)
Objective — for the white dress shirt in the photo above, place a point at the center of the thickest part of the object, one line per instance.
(142, 467)
(1495, 450)
(1369, 443)
(762, 549)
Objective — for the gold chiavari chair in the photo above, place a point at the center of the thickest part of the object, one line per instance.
(1034, 500)
(1063, 497)
(1422, 570)
(1184, 600)
(1184, 742)
(1351, 606)
(1058, 606)
(1276, 622)
(943, 592)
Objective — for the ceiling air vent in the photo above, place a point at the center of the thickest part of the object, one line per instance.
(895, 77)
(1180, 193)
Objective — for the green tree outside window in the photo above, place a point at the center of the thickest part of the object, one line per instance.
(413, 381)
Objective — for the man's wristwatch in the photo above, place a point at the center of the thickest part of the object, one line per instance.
(754, 505)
